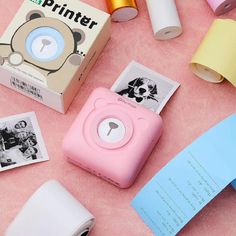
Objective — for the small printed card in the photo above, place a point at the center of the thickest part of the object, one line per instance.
(190, 181)
(145, 87)
(21, 142)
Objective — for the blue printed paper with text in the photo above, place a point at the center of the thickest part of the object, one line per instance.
(190, 181)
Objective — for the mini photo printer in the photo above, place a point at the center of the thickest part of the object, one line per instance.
(112, 137)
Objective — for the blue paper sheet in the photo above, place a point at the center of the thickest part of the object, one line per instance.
(191, 180)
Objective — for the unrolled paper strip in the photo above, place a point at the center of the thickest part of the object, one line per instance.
(215, 58)
(122, 10)
(190, 181)
(221, 6)
(164, 18)
(52, 211)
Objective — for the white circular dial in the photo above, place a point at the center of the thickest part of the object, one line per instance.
(111, 130)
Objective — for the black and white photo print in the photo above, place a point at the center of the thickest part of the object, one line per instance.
(21, 142)
(145, 87)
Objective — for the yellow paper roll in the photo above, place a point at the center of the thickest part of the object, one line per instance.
(215, 59)
(122, 10)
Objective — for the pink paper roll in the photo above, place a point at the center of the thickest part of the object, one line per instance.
(221, 6)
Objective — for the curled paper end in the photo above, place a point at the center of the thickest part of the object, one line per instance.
(206, 73)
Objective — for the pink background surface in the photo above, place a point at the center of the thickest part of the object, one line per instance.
(194, 108)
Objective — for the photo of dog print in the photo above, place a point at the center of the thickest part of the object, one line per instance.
(145, 87)
(140, 90)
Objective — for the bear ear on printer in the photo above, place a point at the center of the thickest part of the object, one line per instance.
(79, 36)
(34, 15)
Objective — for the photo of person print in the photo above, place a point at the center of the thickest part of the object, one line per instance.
(21, 142)
(145, 87)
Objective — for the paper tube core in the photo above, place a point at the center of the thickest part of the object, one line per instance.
(168, 33)
(225, 7)
(207, 73)
(228, 5)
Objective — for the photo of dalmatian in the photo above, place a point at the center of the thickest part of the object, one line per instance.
(145, 87)
(140, 90)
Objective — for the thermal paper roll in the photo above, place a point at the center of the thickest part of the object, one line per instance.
(214, 60)
(52, 211)
(122, 10)
(221, 6)
(164, 19)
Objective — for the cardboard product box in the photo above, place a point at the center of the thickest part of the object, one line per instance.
(49, 48)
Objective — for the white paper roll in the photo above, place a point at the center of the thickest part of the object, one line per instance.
(52, 211)
(164, 18)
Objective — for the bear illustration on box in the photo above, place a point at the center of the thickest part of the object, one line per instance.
(46, 44)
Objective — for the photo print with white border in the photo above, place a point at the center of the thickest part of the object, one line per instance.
(145, 86)
(21, 141)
